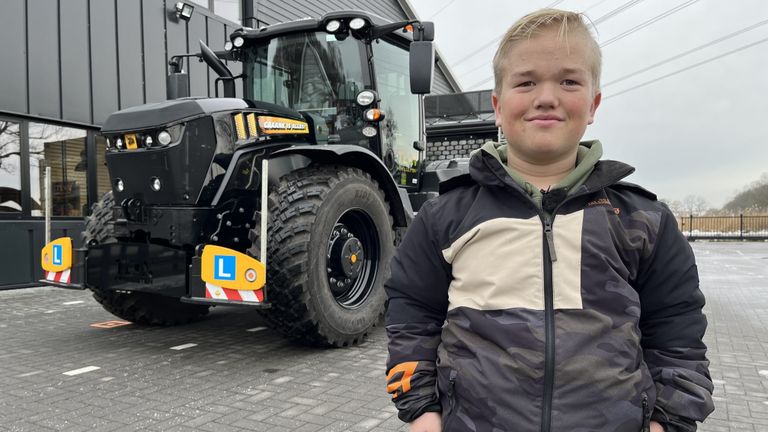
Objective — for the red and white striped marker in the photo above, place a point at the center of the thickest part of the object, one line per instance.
(217, 292)
(61, 277)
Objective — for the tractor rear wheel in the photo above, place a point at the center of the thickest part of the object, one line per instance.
(136, 307)
(330, 243)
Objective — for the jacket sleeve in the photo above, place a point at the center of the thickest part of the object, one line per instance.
(418, 300)
(673, 326)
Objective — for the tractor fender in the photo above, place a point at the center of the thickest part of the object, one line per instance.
(296, 157)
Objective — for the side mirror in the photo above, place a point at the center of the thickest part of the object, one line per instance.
(421, 66)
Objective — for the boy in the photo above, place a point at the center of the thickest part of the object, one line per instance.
(538, 292)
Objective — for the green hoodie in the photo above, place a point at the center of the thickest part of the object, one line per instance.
(588, 154)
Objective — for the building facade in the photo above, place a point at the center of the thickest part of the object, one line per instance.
(68, 64)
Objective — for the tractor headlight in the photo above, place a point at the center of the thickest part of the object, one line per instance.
(119, 143)
(119, 185)
(228, 46)
(238, 42)
(366, 97)
(164, 137)
(148, 141)
(369, 131)
(155, 184)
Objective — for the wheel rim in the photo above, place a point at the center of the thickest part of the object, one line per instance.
(353, 258)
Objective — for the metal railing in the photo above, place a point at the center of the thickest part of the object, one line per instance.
(741, 227)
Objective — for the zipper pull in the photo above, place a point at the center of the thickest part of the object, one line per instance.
(550, 240)
(451, 382)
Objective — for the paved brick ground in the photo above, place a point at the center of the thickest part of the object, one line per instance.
(240, 376)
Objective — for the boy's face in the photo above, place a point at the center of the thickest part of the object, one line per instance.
(547, 97)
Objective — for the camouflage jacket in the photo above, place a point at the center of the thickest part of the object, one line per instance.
(505, 318)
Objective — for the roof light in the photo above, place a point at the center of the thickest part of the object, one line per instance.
(119, 185)
(332, 26)
(120, 143)
(155, 184)
(228, 46)
(357, 23)
(148, 141)
(238, 42)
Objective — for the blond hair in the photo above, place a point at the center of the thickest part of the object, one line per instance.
(532, 25)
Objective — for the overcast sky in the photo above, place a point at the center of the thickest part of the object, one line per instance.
(689, 108)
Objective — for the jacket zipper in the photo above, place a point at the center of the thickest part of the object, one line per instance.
(646, 414)
(451, 399)
(549, 326)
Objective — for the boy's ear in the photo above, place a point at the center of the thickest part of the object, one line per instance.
(595, 103)
(496, 108)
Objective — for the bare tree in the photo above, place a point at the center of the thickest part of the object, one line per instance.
(695, 204)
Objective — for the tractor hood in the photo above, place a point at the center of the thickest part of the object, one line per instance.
(172, 111)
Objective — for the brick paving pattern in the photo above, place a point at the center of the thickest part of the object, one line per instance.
(229, 373)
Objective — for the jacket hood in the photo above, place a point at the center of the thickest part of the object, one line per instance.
(488, 167)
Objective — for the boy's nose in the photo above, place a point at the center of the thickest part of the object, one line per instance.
(546, 97)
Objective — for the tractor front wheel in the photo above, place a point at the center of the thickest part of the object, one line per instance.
(330, 243)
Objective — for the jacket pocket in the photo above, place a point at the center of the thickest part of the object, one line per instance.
(450, 393)
(646, 414)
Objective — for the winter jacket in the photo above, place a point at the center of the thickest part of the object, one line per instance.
(583, 314)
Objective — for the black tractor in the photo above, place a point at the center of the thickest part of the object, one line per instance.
(290, 200)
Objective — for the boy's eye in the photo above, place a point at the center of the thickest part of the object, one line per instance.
(526, 84)
(570, 82)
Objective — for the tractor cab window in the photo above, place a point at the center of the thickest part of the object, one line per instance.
(314, 73)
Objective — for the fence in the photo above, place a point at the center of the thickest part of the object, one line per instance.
(724, 227)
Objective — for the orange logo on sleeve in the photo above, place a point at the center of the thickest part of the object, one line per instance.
(404, 383)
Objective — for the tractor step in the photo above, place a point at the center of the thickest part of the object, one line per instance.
(219, 302)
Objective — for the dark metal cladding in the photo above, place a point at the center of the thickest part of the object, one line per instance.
(162, 113)
(137, 267)
(181, 168)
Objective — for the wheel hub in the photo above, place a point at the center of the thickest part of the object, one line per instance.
(345, 260)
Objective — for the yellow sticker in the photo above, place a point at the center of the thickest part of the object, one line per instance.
(130, 142)
(279, 125)
(231, 269)
(56, 256)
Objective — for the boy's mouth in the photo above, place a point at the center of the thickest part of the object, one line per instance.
(544, 119)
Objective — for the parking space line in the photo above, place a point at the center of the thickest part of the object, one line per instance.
(255, 329)
(73, 302)
(185, 346)
(82, 370)
(28, 374)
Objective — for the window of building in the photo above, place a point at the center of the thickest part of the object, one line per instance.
(227, 9)
(10, 173)
(62, 149)
(103, 184)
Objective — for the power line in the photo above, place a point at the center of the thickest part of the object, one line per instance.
(494, 40)
(648, 22)
(685, 53)
(602, 19)
(617, 11)
(441, 9)
(695, 65)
